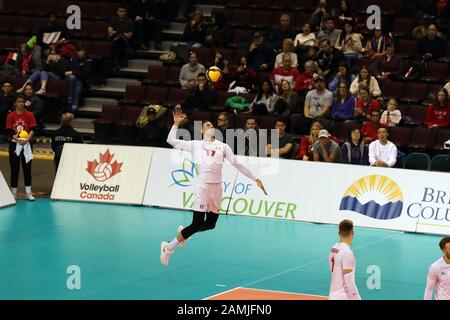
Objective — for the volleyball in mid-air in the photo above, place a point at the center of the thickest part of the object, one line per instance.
(23, 134)
(214, 74)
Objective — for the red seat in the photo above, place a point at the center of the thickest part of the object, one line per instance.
(415, 92)
(260, 4)
(101, 50)
(240, 17)
(156, 74)
(282, 4)
(177, 96)
(391, 7)
(262, 19)
(303, 5)
(423, 138)
(7, 42)
(134, 95)
(8, 23)
(88, 28)
(435, 72)
(241, 37)
(44, 7)
(400, 136)
(267, 122)
(345, 128)
(302, 18)
(156, 95)
(204, 55)
(296, 122)
(28, 24)
(88, 9)
(238, 3)
(105, 10)
(225, 12)
(407, 48)
(57, 88)
(443, 136)
(11, 6)
(103, 127)
(219, 101)
(125, 128)
(173, 76)
(201, 116)
(417, 114)
(101, 30)
(403, 26)
(393, 90)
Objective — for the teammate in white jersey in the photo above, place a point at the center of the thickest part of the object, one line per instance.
(209, 155)
(343, 266)
(438, 279)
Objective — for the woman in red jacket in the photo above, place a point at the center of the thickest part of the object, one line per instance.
(305, 153)
(438, 113)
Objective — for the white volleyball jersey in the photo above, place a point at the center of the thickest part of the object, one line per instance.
(341, 257)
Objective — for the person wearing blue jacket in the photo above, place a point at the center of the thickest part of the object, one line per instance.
(343, 107)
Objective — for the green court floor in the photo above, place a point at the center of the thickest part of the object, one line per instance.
(117, 251)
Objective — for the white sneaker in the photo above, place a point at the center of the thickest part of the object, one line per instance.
(181, 244)
(41, 91)
(30, 197)
(165, 254)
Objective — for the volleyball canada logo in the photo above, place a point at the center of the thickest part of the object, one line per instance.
(105, 169)
(374, 196)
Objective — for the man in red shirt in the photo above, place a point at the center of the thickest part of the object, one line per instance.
(370, 128)
(286, 72)
(20, 126)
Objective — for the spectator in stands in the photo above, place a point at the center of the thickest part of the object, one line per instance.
(145, 15)
(447, 86)
(433, 46)
(265, 99)
(224, 65)
(201, 96)
(305, 81)
(190, 71)
(286, 72)
(354, 151)
(365, 77)
(349, 42)
(365, 105)
(309, 55)
(285, 142)
(251, 146)
(153, 133)
(284, 31)
(33, 104)
(287, 102)
(244, 76)
(344, 104)
(330, 32)
(81, 68)
(376, 47)
(19, 64)
(369, 129)
(7, 100)
(329, 59)
(389, 65)
(438, 113)
(343, 74)
(55, 69)
(305, 39)
(319, 16)
(288, 48)
(305, 152)
(218, 33)
(120, 32)
(344, 14)
(325, 149)
(318, 102)
(392, 116)
(48, 35)
(382, 152)
(224, 124)
(64, 134)
(195, 30)
(440, 12)
(260, 56)
(20, 150)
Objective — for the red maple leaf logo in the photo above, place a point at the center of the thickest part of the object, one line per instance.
(104, 169)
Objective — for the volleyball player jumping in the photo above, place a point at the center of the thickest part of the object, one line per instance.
(208, 154)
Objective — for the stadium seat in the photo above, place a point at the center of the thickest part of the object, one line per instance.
(415, 92)
(281, 5)
(440, 162)
(173, 76)
(105, 11)
(177, 96)
(401, 137)
(260, 4)
(393, 90)
(403, 27)
(11, 6)
(443, 136)
(295, 123)
(101, 50)
(423, 139)
(134, 95)
(417, 161)
(104, 126)
(267, 122)
(8, 23)
(435, 72)
(407, 48)
(238, 3)
(156, 95)
(202, 116)
(345, 129)
(156, 75)
(7, 42)
(391, 7)
(417, 115)
(204, 56)
(125, 128)
(262, 19)
(57, 88)
(240, 17)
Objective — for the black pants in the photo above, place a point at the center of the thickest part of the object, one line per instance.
(14, 162)
(200, 224)
(148, 30)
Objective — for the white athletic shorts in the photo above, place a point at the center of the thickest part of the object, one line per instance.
(208, 197)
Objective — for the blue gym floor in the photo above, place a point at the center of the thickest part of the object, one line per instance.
(117, 250)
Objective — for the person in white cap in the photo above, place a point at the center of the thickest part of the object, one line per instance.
(325, 149)
(209, 155)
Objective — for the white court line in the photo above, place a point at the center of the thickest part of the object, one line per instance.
(288, 292)
(313, 262)
(220, 293)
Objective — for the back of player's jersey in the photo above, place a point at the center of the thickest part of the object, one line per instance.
(340, 258)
